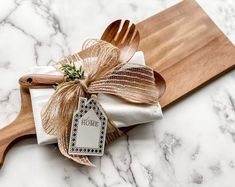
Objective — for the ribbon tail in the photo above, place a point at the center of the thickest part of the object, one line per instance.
(63, 143)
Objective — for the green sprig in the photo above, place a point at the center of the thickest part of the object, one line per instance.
(71, 73)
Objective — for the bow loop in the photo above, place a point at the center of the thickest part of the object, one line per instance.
(132, 82)
(102, 58)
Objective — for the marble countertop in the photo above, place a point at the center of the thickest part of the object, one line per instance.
(194, 145)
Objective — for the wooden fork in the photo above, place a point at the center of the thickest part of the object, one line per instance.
(127, 40)
(125, 37)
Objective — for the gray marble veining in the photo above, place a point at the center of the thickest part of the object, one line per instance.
(194, 145)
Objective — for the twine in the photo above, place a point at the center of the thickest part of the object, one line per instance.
(103, 74)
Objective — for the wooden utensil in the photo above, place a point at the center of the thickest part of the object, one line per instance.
(187, 50)
(40, 80)
(126, 38)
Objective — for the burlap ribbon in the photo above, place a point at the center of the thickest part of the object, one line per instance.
(134, 83)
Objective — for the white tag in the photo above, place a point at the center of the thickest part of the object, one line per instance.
(88, 129)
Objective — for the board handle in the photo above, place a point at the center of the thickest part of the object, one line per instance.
(21, 126)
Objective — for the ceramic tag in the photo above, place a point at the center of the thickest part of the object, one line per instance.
(88, 129)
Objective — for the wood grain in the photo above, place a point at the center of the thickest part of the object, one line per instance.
(22, 126)
(40, 80)
(182, 43)
(186, 47)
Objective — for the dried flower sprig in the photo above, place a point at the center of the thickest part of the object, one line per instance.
(71, 73)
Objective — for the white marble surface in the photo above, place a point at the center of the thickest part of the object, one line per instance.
(193, 146)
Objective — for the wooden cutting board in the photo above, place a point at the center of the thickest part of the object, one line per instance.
(181, 43)
(186, 47)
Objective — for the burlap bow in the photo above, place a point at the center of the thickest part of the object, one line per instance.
(133, 83)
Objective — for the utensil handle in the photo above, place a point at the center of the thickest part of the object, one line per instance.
(46, 81)
(40, 80)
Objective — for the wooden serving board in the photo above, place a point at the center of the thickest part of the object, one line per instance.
(181, 43)
(186, 47)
